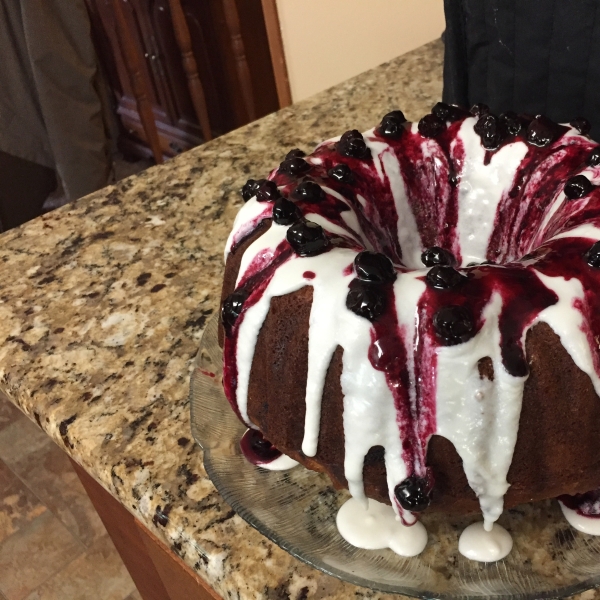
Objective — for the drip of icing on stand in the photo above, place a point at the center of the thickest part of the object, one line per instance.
(376, 526)
(477, 543)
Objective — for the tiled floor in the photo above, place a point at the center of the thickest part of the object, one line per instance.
(53, 545)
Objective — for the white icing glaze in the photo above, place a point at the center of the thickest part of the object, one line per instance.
(484, 432)
(480, 189)
(282, 463)
(480, 417)
(589, 525)
(377, 526)
(478, 543)
(567, 323)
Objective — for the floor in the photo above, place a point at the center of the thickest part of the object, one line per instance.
(53, 545)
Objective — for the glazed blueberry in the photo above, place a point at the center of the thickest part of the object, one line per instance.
(250, 189)
(267, 191)
(578, 187)
(285, 212)
(490, 130)
(441, 110)
(342, 173)
(541, 132)
(392, 124)
(309, 191)
(437, 256)
(294, 166)
(511, 122)
(431, 126)
(413, 494)
(232, 307)
(448, 112)
(582, 125)
(353, 144)
(307, 238)
(454, 324)
(374, 267)
(592, 256)
(295, 153)
(444, 277)
(366, 300)
(479, 109)
(594, 158)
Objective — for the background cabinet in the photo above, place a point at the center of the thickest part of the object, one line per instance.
(231, 50)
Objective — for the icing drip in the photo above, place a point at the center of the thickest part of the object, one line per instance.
(376, 526)
(403, 378)
(477, 543)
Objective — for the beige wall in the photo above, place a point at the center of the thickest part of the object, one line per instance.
(328, 41)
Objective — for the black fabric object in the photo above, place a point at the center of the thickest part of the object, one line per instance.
(530, 56)
(24, 185)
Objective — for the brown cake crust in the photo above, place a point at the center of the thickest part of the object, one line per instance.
(556, 450)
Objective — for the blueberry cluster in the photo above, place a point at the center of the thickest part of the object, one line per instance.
(341, 173)
(431, 126)
(309, 191)
(449, 112)
(285, 212)
(541, 132)
(250, 189)
(479, 109)
(494, 130)
(264, 190)
(353, 145)
(294, 163)
(582, 125)
(307, 238)
(367, 295)
(392, 125)
(454, 324)
(444, 277)
(434, 124)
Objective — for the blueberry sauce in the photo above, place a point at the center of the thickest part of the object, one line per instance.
(430, 193)
(538, 180)
(587, 505)
(523, 298)
(415, 417)
(256, 449)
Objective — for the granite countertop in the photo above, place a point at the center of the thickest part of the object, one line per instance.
(103, 303)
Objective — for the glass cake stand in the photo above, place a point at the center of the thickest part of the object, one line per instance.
(296, 509)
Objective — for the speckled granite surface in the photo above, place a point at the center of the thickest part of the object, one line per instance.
(102, 306)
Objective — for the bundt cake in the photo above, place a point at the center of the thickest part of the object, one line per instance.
(415, 311)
